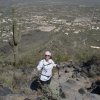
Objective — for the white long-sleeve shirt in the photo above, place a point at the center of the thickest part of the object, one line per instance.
(46, 68)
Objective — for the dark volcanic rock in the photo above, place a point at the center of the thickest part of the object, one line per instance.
(96, 89)
(4, 91)
(82, 91)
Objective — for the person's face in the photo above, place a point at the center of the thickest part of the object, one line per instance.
(47, 57)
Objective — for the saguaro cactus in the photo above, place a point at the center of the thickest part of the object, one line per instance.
(16, 36)
(14, 41)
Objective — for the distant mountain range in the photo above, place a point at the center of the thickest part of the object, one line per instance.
(22, 2)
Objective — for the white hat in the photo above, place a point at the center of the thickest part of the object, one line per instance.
(48, 53)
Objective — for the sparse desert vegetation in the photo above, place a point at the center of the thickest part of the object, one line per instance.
(70, 32)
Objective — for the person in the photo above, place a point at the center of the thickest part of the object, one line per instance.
(45, 67)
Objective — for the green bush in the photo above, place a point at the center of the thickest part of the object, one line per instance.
(29, 60)
(83, 56)
(61, 58)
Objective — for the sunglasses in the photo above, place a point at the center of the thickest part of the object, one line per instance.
(47, 55)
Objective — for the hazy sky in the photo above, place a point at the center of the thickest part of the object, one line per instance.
(89, 2)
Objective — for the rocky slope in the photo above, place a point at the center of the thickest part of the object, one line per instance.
(68, 85)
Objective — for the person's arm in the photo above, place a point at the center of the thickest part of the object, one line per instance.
(40, 65)
(39, 68)
(55, 65)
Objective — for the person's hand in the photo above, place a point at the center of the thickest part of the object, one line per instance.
(58, 66)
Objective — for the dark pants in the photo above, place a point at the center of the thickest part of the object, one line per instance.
(47, 93)
(37, 84)
(43, 86)
(45, 82)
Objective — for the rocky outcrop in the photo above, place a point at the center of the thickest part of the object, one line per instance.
(18, 97)
(64, 86)
(4, 91)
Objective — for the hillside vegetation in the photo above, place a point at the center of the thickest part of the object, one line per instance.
(70, 32)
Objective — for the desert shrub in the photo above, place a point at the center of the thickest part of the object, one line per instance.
(5, 78)
(26, 61)
(29, 60)
(61, 58)
(83, 56)
(91, 66)
(93, 71)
